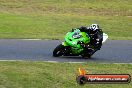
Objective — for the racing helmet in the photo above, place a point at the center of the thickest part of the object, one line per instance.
(94, 27)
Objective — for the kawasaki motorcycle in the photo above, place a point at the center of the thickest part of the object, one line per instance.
(72, 46)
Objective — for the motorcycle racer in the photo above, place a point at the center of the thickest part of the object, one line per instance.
(96, 37)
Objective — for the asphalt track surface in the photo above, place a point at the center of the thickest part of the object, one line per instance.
(113, 51)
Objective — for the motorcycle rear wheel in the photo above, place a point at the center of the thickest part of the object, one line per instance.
(87, 53)
(86, 56)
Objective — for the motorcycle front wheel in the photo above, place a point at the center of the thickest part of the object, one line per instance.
(59, 51)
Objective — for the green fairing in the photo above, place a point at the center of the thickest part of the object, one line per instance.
(72, 42)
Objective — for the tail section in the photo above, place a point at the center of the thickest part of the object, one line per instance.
(105, 37)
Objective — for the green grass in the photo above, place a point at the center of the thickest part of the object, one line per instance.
(51, 19)
(56, 75)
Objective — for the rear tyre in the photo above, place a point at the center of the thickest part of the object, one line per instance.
(86, 56)
(59, 51)
(87, 53)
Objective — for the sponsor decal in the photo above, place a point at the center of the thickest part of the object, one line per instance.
(83, 78)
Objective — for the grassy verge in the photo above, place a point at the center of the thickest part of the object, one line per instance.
(38, 19)
(19, 26)
(55, 75)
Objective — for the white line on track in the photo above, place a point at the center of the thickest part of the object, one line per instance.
(63, 62)
(30, 39)
(11, 60)
(122, 63)
(52, 61)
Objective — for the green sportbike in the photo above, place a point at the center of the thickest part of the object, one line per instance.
(72, 46)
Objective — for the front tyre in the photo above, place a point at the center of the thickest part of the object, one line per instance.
(59, 51)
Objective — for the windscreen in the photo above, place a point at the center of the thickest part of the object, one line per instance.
(76, 34)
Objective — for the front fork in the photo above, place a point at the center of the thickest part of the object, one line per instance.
(67, 49)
